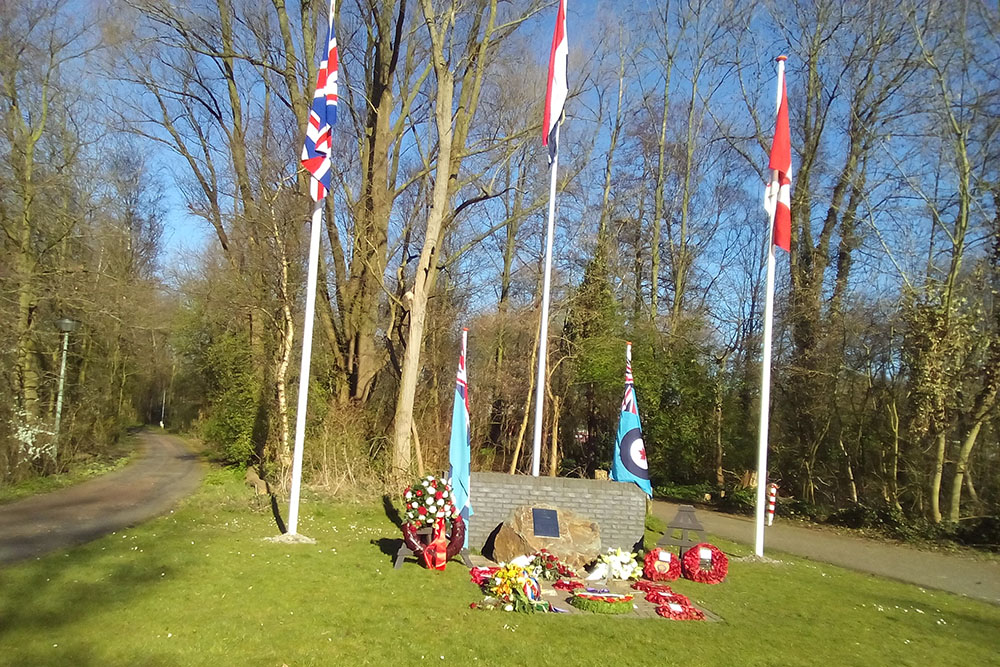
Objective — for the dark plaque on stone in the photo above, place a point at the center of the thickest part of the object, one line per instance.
(545, 522)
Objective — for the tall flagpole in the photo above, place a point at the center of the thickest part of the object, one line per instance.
(307, 331)
(765, 362)
(536, 452)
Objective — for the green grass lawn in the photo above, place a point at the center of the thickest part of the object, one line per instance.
(200, 587)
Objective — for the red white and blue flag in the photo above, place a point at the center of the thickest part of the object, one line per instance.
(629, 459)
(459, 449)
(779, 189)
(319, 142)
(557, 89)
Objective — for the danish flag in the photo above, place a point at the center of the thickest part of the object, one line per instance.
(779, 190)
(557, 89)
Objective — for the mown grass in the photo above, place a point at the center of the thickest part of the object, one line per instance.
(201, 587)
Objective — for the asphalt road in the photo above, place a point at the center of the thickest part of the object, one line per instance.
(165, 472)
(955, 573)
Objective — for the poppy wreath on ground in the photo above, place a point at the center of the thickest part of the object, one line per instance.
(648, 586)
(567, 585)
(680, 612)
(660, 594)
(429, 503)
(661, 565)
(602, 603)
(661, 598)
(705, 563)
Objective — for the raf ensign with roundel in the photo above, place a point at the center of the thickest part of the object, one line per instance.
(633, 454)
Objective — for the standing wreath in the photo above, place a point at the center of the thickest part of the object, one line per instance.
(705, 563)
(661, 565)
(429, 503)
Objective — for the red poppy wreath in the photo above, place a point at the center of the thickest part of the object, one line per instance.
(680, 612)
(661, 565)
(705, 563)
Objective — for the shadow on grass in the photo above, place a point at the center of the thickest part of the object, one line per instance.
(391, 512)
(276, 511)
(388, 546)
(39, 605)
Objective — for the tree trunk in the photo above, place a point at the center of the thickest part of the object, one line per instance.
(554, 438)
(526, 412)
(426, 266)
(935, 485)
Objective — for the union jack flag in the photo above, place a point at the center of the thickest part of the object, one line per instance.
(628, 401)
(318, 144)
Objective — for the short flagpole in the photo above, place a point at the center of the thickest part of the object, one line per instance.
(536, 452)
(765, 362)
(307, 330)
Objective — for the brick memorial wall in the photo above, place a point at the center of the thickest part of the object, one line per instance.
(619, 509)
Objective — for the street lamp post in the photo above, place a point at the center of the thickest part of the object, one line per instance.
(66, 326)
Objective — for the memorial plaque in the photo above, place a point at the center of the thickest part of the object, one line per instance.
(545, 522)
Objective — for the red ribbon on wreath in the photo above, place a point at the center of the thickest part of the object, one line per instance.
(693, 567)
(658, 569)
(436, 553)
(452, 546)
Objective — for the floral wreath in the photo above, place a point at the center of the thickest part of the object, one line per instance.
(660, 594)
(568, 585)
(661, 565)
(429, 502)
(680, 612)
(705, 563)
(510, 588)
(602, 603)
(669, 604)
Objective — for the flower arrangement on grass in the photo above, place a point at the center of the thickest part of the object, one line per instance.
(602, 603)
(511, 588)
(661, 565)
(621, 565)
(705, 563)
(548, 566)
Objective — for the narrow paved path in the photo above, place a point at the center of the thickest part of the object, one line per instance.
(955, 573)
(165, 472)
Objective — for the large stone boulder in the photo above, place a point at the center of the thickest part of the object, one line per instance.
(578, 544)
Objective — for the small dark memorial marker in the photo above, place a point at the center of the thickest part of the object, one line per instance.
(545, 522)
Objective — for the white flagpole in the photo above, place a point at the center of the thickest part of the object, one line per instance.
(307, 331)
(765, 362)
(536, 452)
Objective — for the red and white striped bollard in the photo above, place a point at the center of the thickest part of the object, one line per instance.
(772, 496)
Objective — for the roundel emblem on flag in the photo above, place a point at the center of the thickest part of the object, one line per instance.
(633, 454)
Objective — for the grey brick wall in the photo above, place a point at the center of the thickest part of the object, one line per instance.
(619, 509)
